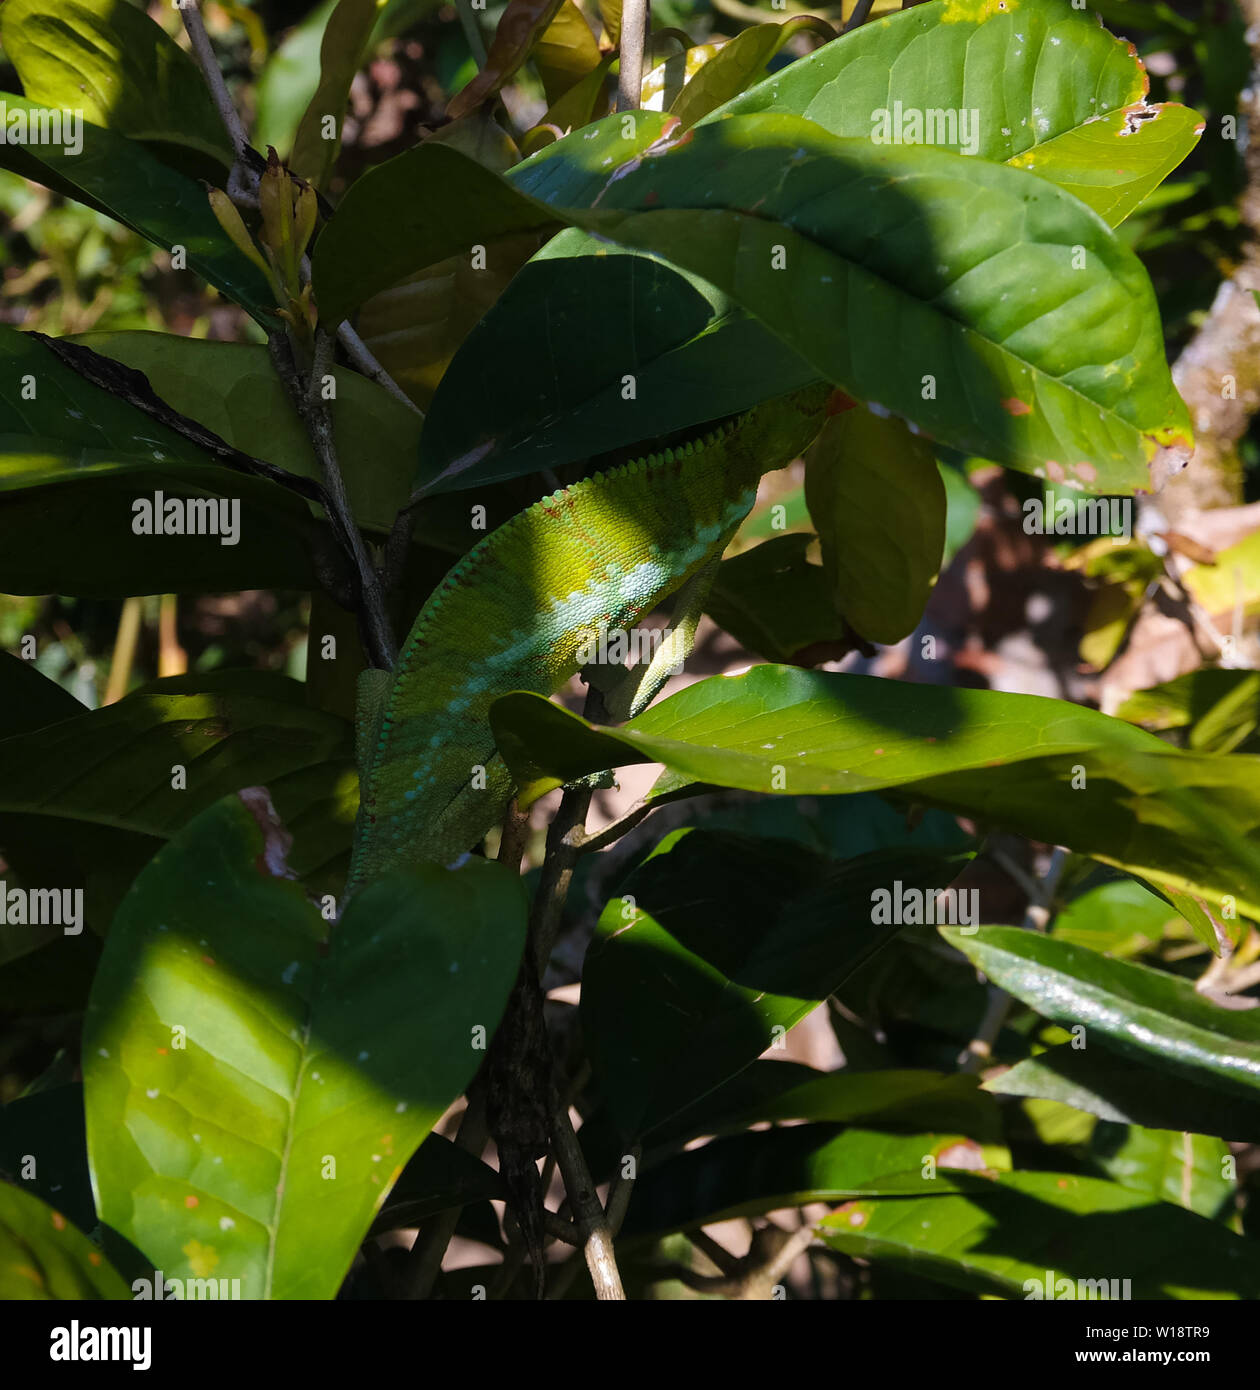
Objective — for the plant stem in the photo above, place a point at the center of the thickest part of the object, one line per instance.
(172, 658)
(636, 18)
(513, 837)
(610, 834)
(472, 31)
(425, 1260)
(312, 410)
(1037, 917)
(619, 1193)
(307, 397)
(361, 355)
(204, 53)
(124, 650)
(596, 1234)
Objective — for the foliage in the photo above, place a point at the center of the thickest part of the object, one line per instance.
(282, 964)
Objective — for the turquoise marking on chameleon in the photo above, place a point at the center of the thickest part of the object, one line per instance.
(512, 615)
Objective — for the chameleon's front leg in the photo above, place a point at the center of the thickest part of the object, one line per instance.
(628, 693)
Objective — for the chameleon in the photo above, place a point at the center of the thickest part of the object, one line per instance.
(517, 610)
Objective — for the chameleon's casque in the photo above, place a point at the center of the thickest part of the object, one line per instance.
(515, 612)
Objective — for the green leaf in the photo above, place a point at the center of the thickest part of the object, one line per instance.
(1185, 1169)
(610, 13)
(665, 83)
(773, 601)
(75, 460)
(778, 1091)
(877, 499)
(29, 699)
(692, 354)
(250, 1080)
(1221, 708)
(120, 177)
(750, 1174)
(566, 52)
(117, 67)
(1148, 1015)
(1041, 768)
(1104, 1083)
(1228, 698)
(562, 400)
(117, 766)
(719, 945)
(231, 389)
(288, 81)
(841, 827)
(1231, 582)
(999, 330)
(341, 53)
(433, 202)
(416, 327)
(1050, 89)
(439, 1176)
(1120, 919)
(1114, 165)
(43, 1257)
(742, 60)
(1005, 1234)
(291, 74)
(585, 101)
(414, 210)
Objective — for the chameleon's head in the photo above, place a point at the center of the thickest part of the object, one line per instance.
(780, 430)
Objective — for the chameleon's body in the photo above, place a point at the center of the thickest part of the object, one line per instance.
(515, 612)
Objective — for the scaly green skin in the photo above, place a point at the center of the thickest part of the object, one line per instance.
(514, 613)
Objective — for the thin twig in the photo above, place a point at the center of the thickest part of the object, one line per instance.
(612, 833)
(361, 355)
(1226, 649)
(636, 19)
(564, 845)
(861, 13)
(562, 1230)
(618, 1202)
(1037, 917)
(124, 656)
(472, 31)
(425, 1260)
(716, 1252)
(209, 64)
(244, 178)
(800, 1241)
(312, 409)
(596, 1235)
(771, 1255)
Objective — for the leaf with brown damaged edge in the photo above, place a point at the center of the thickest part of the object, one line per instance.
(522, 24)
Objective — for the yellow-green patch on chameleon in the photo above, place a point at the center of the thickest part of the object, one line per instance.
(514, 613)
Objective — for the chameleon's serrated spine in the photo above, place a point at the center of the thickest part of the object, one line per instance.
(514, 612)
